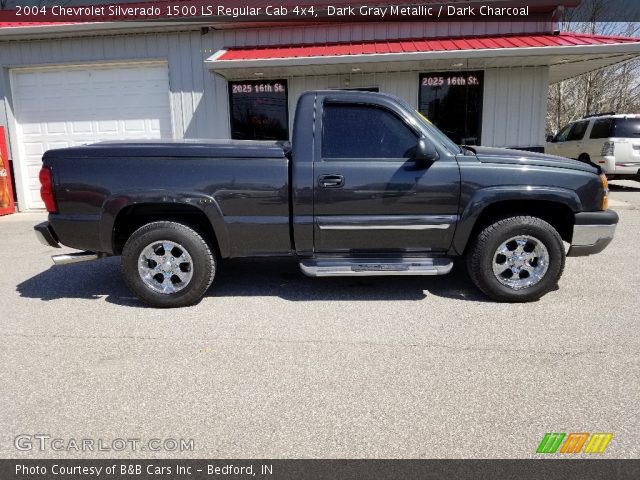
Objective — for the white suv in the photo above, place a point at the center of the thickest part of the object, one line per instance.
(611, 141)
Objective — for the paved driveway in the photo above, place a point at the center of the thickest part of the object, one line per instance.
(273, 364)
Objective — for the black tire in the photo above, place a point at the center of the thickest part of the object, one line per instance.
(584, 158)
(483, 252)
(201, 265)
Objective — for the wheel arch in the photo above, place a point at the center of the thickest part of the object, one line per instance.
(123, 216)
(555, 206)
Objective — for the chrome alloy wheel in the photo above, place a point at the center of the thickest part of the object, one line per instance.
(165, 266)
(520, 262)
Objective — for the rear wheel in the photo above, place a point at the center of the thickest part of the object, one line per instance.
(584, 158)
(516, 259)
(168, 264)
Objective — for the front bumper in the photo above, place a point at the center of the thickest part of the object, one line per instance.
(46, 235)
(592, 232)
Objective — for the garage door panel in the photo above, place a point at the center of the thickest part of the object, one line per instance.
(31, 149)
(32, 129)
(56, 128)
(81, 127)
(34, 170)
(61, 107)
(107, 127)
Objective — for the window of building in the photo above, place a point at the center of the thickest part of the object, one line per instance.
(453, 102)
(366, 132)
(259, 110)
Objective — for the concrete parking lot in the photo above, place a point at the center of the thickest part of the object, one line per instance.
(273, 364)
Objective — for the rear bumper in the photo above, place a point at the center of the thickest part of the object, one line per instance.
(46, 235)
(592, 232)
(618, 168)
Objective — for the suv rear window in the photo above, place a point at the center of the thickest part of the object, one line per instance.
(601, 128)
(626, 127)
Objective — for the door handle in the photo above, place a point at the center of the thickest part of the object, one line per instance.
(331, 181)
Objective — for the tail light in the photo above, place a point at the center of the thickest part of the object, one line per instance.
(46, 190)
(605, 186)
(608, 149)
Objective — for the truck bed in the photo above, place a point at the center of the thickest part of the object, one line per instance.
(241, 186)
(179, 149)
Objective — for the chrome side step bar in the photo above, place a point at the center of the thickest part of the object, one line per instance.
(76, 257)
(343, 267)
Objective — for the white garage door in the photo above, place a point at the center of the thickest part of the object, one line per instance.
(68, 106)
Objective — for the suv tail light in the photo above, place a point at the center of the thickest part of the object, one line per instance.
(607, 149)
(46, 190)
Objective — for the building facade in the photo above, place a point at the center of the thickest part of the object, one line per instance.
(481, 83)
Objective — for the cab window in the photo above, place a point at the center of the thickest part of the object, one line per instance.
(364, 132)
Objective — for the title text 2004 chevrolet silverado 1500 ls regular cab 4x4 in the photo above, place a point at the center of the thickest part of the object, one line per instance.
(368, 187)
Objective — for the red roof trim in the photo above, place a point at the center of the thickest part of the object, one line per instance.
(34, 24)
(421, 45)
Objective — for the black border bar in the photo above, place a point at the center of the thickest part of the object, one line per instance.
(261, 469)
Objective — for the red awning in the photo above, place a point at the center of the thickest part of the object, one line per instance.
(566, 54)
(419, 45)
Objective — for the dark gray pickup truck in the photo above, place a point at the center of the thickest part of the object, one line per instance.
(367, 187)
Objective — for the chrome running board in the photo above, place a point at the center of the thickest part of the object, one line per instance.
(76, 257)
(342, 267)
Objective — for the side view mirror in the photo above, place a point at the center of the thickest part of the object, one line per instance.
(550, 138)
(426, 151)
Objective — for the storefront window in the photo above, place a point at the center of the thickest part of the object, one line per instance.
(259, 110)
(453, 102)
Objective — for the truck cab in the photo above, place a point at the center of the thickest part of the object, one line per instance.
(377, 181)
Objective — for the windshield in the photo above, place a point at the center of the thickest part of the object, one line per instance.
(626, 127)
(431, 128)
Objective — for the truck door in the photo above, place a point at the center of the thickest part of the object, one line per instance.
(370, 195)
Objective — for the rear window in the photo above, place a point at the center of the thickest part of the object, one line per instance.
(601, 128)
(626, 127)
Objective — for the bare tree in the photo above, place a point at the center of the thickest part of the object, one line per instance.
(614, 88)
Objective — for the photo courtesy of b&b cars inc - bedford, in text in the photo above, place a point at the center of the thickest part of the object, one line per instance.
(319, 239)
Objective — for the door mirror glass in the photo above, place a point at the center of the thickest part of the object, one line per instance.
(550, 138)
(426, 151)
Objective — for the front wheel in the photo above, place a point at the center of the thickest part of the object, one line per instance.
(516, 259)
(168, 264)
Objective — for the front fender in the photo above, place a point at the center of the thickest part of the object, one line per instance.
(483, 198)
(114, 205)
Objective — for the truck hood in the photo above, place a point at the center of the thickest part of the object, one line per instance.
(522, 157)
